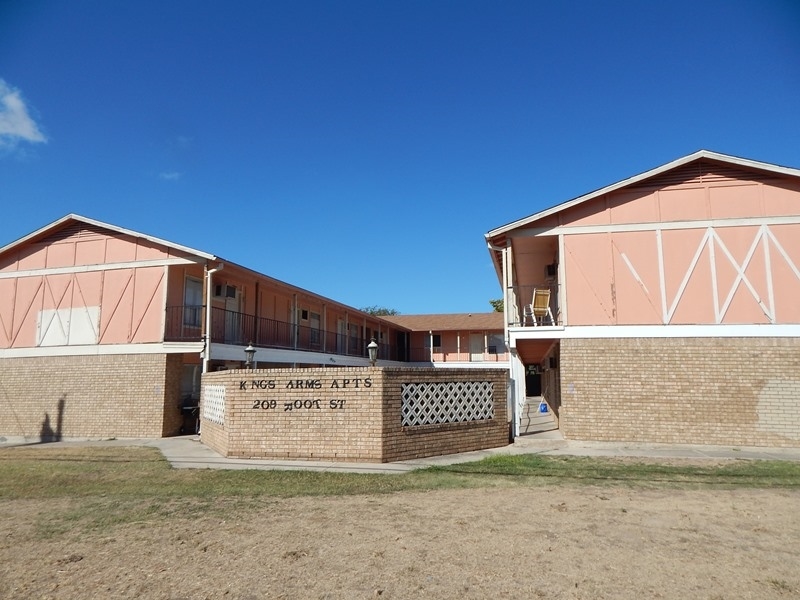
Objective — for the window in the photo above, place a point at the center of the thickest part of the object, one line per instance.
(497, 344)
(437, 340)
(192, 302)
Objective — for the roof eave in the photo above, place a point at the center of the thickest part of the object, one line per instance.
(74, 217)
(744, 162)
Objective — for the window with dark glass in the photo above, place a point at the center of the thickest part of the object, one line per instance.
(192, 302)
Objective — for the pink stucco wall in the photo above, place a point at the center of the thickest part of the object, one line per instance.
(110, 305)
(730, 268)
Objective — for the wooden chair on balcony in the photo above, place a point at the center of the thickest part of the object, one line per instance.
(539, 308)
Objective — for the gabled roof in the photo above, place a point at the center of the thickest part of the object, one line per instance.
(700, 154)
(73, 218)
(449, 322)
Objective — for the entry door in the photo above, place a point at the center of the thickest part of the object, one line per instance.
(233, 318)
(476, 347)
(341, 336)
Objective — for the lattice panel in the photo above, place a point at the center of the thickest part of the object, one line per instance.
(214, 404)
(447, 402)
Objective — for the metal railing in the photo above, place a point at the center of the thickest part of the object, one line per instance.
(184, 324)
(519, 310)
(488, 355)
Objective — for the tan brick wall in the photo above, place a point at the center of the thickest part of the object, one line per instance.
(123, 396)
(347, 414)
(725, 391)
(404, 443)
(173, 419)
(213, 435)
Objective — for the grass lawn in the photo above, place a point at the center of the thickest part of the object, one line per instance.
(144, 473)
(104, 487)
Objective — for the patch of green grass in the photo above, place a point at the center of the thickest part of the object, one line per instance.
(95, 489)
(579, 469)
(144, 473)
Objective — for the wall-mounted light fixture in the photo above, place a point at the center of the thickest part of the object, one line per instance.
(249, 353)
(372, 349)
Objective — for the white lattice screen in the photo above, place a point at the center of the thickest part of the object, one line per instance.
(447, 402)
(214, 404)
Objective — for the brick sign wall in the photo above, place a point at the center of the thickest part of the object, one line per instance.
(352, 414)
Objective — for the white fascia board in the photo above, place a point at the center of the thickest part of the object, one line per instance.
(137, 264)
(744, 162)
(656, 226)
(103, 350)
(541, 332)
(122, 230)
(281, 355)
(653, 331)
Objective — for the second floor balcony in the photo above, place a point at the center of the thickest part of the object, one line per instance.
(533, 305)
(492, 354)
(185, 324)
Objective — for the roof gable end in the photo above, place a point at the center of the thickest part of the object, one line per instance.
(73, 225)
(702, 165)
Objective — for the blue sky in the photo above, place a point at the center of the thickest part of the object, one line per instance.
(361, 149)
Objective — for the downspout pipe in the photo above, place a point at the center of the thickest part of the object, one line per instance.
(506, 283)
(207, 336)
(515, 373)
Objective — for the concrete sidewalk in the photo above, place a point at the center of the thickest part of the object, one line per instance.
(187, 452)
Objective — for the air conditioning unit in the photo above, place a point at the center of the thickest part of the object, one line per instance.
(226, 291)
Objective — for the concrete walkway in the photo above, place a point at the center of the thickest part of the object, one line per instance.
(187, 452)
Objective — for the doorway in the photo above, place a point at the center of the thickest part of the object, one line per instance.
(533, 381)
(233, 316)
(476, 347)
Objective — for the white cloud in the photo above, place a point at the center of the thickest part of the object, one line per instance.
(170, 175)
(15, 123)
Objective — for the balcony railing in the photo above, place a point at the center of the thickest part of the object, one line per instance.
(491, 354)
(184, 324)
(519, 311)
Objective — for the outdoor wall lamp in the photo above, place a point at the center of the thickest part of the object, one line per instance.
(249, 352)
(372, 348)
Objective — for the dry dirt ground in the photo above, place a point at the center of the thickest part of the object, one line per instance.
(537, 542)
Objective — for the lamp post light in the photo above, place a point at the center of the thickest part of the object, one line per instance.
(249, 352)
(372, 348)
